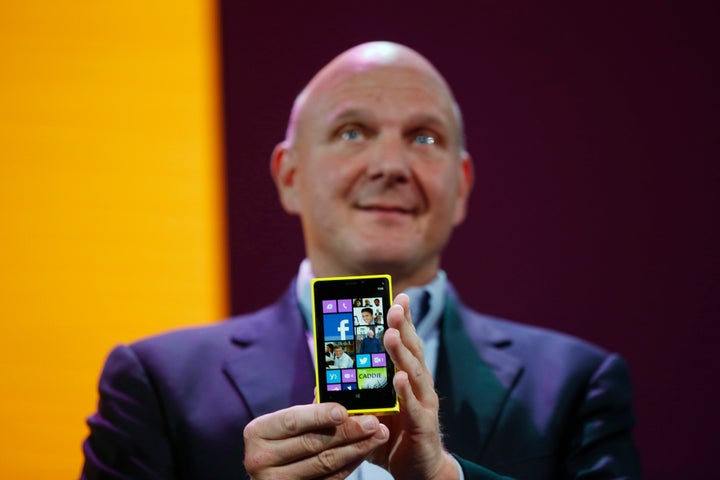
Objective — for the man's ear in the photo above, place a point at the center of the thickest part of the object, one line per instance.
(283, 169)
(467, 178)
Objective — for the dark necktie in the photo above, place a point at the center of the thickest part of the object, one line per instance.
(419, 307)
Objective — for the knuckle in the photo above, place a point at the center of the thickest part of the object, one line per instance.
(431, 380)
(343, 433)
(310, 443)
(256, 460)
(290, 421)
(326, 461)
(317, 415)
(250, 431)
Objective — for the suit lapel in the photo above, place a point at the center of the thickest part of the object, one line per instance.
(271, 365)
(474, 379)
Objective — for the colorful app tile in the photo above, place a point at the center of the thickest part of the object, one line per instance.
(379, 360)
(369, 378)
(349, 386)
(363, 360)
(344, 305)
(334, 387)
(329, 306)
(332, 376)
(348, 376)
(338, 327)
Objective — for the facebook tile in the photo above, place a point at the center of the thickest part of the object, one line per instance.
(363, 360)
(378, 360)
(333, 376)
(329, 306)
(344, 305)
(334, 387)
(338, 327)
(348, 376)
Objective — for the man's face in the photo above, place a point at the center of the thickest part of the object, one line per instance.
(379, 178)
(370, 334)
(367, 317)
(338, 352)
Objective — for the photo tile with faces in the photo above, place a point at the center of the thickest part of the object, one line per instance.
(368, 311)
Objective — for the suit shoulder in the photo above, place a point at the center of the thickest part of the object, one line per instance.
(535, 342)
(206, 340)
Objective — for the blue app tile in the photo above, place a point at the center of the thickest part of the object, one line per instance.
(363, 360)
(338, 327)
(332, 376)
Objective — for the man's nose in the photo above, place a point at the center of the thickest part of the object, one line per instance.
(390, 160)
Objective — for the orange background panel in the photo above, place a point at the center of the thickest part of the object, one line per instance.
(111, 204)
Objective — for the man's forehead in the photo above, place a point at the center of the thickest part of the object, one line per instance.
(368, 71)
(354, 78)
(379, 52)
(374, 55)
(389, 92)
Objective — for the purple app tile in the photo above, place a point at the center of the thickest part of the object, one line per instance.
(334, 387)
(344, 305)
(348, 376)
(329, 306)
(378, 360)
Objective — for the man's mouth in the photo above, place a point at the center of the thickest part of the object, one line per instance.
(398, 209)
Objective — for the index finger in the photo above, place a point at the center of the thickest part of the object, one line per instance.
(299, 419)
(401, 320)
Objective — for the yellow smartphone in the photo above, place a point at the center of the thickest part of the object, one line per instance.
(351, 364)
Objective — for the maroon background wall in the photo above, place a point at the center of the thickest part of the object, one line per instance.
(595, 134)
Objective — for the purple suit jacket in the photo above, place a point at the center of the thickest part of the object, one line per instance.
(516, 401)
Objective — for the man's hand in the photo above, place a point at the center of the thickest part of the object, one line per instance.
(415, 449)
(310, 441)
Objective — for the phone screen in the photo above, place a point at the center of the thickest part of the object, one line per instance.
(352, 366)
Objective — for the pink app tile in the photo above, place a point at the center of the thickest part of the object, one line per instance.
(378, 360)
(329, 306)
(344, 305)
(348, 376)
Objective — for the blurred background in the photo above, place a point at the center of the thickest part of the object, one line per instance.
(135, 195)
(111, 204)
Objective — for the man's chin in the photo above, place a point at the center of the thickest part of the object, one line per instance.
(381, 259)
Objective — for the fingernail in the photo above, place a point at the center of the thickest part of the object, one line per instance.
(380, 434)
(336, 415)
(369, 423)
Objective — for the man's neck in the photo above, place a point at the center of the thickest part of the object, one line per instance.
(403, 277)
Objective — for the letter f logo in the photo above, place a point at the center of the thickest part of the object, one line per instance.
(343, 327)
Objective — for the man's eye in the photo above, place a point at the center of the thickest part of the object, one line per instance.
(351, 134)
(425, 139)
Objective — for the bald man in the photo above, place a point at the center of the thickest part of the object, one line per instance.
(374, 144)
